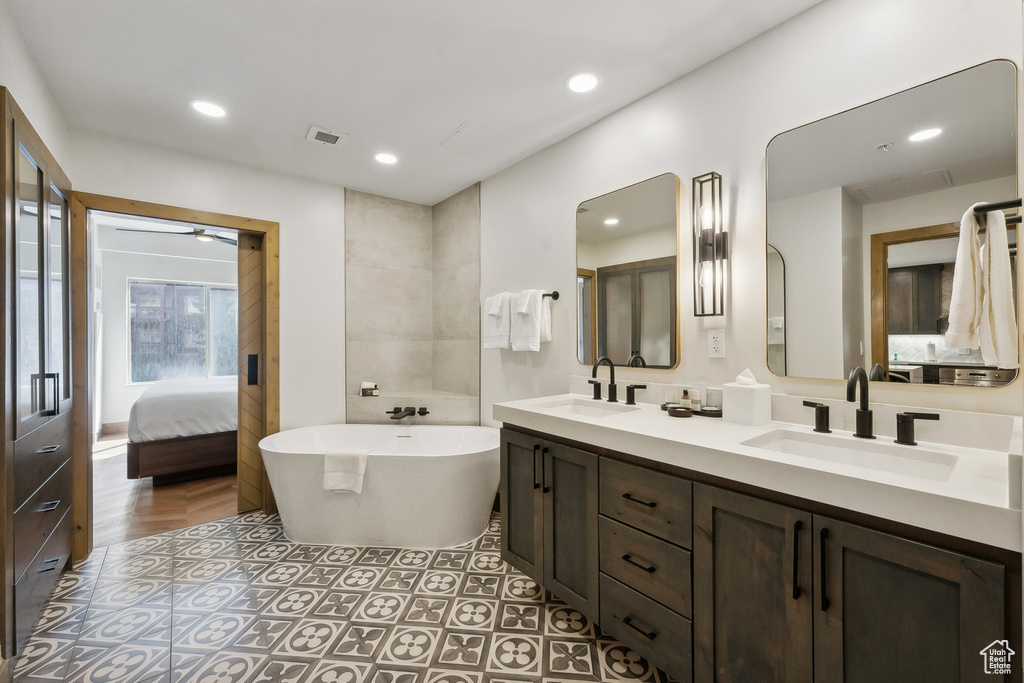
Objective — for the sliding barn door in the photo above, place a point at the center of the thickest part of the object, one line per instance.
(253, 487)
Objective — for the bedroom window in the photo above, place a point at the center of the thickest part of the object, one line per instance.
(182, 330)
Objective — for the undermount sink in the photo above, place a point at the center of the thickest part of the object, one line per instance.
(586, 407)
(876, 455)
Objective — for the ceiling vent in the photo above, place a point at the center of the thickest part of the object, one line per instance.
(325, 137)
(904, 187)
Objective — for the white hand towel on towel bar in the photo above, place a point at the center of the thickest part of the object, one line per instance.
(498, 320)
(966, 301)
(998, 329)
(344, 470)
(526, 322)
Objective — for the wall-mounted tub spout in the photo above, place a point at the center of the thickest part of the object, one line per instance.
(399, 413)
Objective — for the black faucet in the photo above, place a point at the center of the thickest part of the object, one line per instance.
(864, 426)
(605, 360)
(399, 413)
(636, 361)
(631, 393)
(905, 426)
(820, 416)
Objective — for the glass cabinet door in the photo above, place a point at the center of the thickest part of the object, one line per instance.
(31, 398)
(59, 318)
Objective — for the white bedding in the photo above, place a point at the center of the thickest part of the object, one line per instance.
(185, 407)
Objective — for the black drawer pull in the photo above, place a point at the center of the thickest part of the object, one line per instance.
(53, 562)
(629, 497)
(544, 470)
(629, 558)
(49, 449)
(628, 621)
(536, 484)
(48, 507)
(797, 525)
(824, 571)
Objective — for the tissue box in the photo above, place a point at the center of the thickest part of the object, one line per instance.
(747, 404)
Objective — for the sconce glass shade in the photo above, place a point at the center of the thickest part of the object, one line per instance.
(710, 244)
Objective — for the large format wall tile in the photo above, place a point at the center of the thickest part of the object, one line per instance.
(457, 366)
(456, 229)
(388, 304)
(395, 365)
(457, 302)
(387, 232)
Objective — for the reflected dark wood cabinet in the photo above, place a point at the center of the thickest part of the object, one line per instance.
(548, 495)
(727, 586)
(38, 437)
(915, 299)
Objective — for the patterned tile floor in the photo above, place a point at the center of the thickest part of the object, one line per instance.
(235, 602)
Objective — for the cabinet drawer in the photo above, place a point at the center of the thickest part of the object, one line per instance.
(38, 517)
(658, 503)
(657, 633)
(649, 565)
(35, 457)
(31, 591)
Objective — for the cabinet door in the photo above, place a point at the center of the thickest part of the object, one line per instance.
(752, 601)
(522, 531)
(569, 486)
(900, 310)
(58, 303)
(889, 609)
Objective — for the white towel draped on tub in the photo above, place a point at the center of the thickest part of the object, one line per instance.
(497, 320)
(343, 470)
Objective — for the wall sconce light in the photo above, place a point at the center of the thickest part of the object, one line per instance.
(710, 246)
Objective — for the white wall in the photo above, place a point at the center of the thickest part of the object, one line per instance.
(855, 336)
(837, 55)
(312, 233)
(124, 256)
(638, 246)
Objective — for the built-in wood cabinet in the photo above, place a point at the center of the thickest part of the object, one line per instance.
(716, 585)
(38, 440)
(549, 497)
(915, 300)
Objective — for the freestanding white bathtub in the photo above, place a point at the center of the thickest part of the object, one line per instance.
(425, 486)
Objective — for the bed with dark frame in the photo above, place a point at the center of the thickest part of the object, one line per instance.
(184, 429)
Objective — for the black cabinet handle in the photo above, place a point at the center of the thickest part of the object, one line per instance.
(53, 562)
(56, 392)
(544, 470)
(253, 371)
(824, 572)
(628, 621)
(49, 506)
(797, 526)
(648, 569)
(536, 484)
(630, 498)
(48, 449)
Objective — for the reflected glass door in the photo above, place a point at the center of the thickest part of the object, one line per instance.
(31, 398)
(59, 269)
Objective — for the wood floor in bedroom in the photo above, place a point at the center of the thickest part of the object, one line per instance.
(125, 509)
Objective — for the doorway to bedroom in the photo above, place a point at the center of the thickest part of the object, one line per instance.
(165, 321)
(175, 317)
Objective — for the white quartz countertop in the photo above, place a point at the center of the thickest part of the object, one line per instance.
(973, 502)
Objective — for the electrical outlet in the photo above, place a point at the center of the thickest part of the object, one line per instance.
(716, 343)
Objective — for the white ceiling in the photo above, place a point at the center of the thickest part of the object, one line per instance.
(393, 75)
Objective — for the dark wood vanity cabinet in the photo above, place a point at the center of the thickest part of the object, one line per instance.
(38, 438)
(915, 299)
(548, 498)
(784, 595)
(715, 585)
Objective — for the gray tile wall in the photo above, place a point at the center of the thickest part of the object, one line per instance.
(412, 305)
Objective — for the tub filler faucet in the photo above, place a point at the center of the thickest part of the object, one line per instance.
(399, 413)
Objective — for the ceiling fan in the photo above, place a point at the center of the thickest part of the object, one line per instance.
(199, 233)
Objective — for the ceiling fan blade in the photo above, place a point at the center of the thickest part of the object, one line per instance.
(155, 232)
(226, 240)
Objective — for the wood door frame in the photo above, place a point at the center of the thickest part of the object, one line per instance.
(81, 317)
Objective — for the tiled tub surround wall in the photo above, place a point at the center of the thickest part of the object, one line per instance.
(412, 307)
(235, 601)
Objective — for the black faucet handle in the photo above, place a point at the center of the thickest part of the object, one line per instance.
(423, 411)
(597, 388)
(905, 426)
(820, 416)
(396, 411)
(631, 393)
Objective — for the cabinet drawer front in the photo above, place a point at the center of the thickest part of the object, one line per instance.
(38, 455)
(657, 633)
(649, 565)
(658, 503)
(38, 517)
(31, 591)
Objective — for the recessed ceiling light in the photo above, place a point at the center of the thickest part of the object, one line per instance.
(581, 82)
(208, 108)
(385, 158)
(611, 221)
(925, 134)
